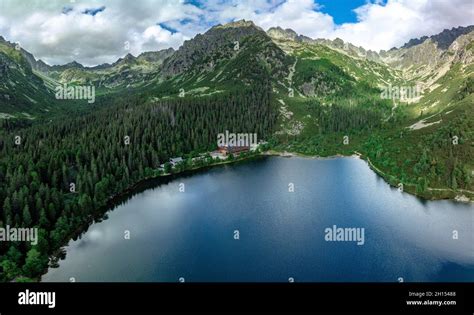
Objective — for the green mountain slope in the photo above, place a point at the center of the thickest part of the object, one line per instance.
(315, 97)
(23, 94)
(338, 93)
(321, 91)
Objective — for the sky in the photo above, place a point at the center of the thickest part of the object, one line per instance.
(98, 31)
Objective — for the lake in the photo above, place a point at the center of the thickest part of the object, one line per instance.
(267, 221)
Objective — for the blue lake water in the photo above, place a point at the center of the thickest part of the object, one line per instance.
(191, 234)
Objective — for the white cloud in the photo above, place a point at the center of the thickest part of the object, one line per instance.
(378, 27)
(42, 28)
(383, 27)
(157, 38)
(299, 15)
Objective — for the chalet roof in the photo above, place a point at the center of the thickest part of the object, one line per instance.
(176, 160)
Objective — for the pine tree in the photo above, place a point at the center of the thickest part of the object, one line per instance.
(26, 216)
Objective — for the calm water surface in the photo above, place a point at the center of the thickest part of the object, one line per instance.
(191, 234)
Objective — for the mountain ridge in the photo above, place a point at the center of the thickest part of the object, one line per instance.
(408, 112)
(443, 39)
(224, 53)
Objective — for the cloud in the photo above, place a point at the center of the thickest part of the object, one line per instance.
(300, 15)
(97, 31)
(156, 38)
(92, 31)
(393, 24)
(379, 25)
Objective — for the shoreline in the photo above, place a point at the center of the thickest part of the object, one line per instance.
(103, 210)
(300, 155)
(429, 194)
(113, 200)
(456, 196)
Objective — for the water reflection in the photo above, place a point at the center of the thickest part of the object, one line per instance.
(175, 234)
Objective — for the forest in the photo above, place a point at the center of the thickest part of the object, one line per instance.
(55, 175)
(418, 160)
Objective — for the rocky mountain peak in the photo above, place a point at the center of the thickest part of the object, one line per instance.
(444, 39)
(75, 64)
(156, 56)
(204, 51)
(280, 33)
(237, 24)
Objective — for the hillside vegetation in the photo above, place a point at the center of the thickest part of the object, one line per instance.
(314, 97)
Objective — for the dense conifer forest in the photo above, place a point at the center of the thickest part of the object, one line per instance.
(55, 175)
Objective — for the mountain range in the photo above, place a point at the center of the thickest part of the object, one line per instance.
(407, 111)
(315, 85)
(27, 82)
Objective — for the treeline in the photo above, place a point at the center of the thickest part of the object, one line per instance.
(341, 118)
(439, 158)
(55, 175)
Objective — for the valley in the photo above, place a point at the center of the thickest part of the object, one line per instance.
(306, 96)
